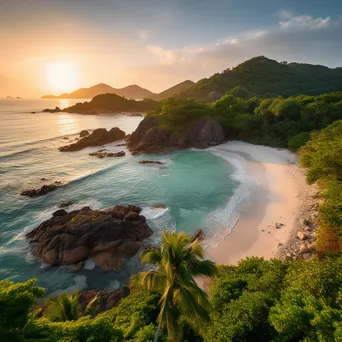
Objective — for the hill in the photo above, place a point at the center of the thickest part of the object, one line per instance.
(132, 92)
(111, 103)
(180, 87)
(267, 78)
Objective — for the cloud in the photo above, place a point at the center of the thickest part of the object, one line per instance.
(295, 38)
(305, 22)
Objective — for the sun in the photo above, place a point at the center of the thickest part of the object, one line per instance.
(61, 76)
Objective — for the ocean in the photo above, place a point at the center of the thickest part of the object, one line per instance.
(200, 189)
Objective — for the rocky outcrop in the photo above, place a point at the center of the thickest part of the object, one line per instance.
(108, 236)
(56, 110)
(150, 162)
(105, 154)
(98, 137)
(106, 299)
(149, 137)
(84, 133)
(65, 204)
(39, 192)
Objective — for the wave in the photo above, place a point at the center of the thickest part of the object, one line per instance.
(222, 221)
(152, 213)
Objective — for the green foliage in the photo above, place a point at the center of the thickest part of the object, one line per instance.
(242, 296)
(298, 141)
(323, 154)
(238, 91)
(16, 299)
(178, 261)
(310, 305)
(136, 312)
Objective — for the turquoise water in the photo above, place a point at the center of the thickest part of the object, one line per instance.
(191, 184)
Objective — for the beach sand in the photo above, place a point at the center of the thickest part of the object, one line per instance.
(280, 197)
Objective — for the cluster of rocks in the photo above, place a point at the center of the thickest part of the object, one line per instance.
(56, 110)
(107, 236)
(303, 245)
(98, 137)
(150, 162)
(42, 190)
(150, 137)
(105, 154)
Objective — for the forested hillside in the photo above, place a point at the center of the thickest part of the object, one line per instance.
(267, 78)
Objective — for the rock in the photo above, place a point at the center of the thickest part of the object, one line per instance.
(98, 137)
(280, 244)
(56, 110)
(150, 162)
(100, 154)
(65, 138)
(108, 262)
(301, 236)
(43, 179)
(150, 137)
(279, 225)
(65, 204)
(106, 299)
(109, 236)
(119, 145)
(316, 195)
(39, 192)
(57, 182)
(84, 133)
(305, 222)
(204, 133)
(78, 266)
(59, 213)
(33, 112)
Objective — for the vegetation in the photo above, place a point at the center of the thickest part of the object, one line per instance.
(66, 307)
(178, 261)
(322, 155)
(107, 103)
(267, 78)
(257, 300)
(276, 122)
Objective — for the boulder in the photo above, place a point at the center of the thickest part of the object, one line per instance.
(39, 192)
(98, 137)
(84, 133)
(150, 137)
(102, 154)
(150, 162)
(204, 133)
(56, 110)
(302, 236)
(65, 204)
(109, 236)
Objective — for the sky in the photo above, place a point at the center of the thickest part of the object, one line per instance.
(56, 46)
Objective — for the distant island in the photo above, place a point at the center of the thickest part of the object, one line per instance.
(12, 97)
(108, 103)
(131, 92)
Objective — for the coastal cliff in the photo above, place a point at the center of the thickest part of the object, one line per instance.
(152, 137)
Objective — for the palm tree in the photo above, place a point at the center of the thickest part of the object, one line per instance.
(178, 261)
(66, 307)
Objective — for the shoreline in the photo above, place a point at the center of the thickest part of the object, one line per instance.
(278, 204)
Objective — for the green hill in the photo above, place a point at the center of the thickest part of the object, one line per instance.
(267, 78)
(180, 87)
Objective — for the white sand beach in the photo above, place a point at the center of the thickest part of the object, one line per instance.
(279, 199)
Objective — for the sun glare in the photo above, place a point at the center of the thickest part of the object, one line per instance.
(61, 76)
